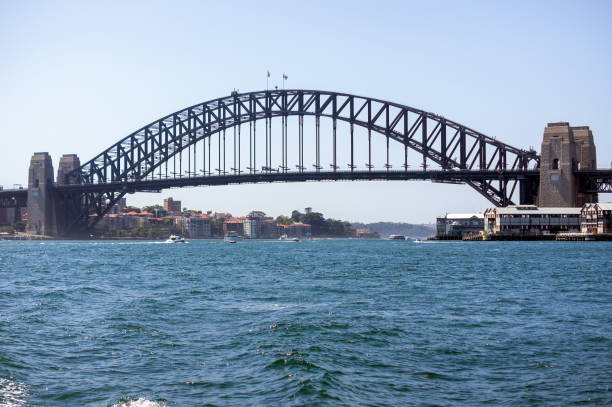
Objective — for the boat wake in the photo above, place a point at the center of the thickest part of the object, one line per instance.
(140, 402)
(12, 394)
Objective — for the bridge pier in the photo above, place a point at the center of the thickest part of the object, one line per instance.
(49, 211)
(565, 149)
(41, 205)
(65, 211)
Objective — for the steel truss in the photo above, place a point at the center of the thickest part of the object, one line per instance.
(13, 198)
(167, 149)
(594, 181)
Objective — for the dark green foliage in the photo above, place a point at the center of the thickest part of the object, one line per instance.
(323, 227)
(151, 208)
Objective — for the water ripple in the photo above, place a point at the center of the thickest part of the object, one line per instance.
(316, 323)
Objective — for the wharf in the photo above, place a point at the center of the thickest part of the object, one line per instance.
(486, 237)
(24, 236)
(584, 237)
(444, 237)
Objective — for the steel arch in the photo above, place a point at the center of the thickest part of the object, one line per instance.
(449, 144)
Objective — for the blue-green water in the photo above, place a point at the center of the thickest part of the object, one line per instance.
(324, 322)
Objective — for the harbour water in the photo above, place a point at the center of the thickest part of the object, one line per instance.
(314, 323)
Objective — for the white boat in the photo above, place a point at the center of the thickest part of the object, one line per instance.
(175, 239)
(232, 237)
(397, 237)
(289, 239)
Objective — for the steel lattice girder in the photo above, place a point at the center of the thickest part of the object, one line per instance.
(134, 156)
(443, 141)
(13, 198)
(594, 181)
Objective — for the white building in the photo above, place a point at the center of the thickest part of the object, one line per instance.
(456, 225)
(250, 228)
(596, 218)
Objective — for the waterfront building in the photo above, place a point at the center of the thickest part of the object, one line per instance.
(131, 219)
(180, 223)
(457, 225)
(219, 215)
(142, 220)
(198, 227)
(529, 221)
(160, 213)
(596, 218)
(233, 225)
(268, 229)
(250, 228)
(156, 222)
(299, 230)
(257, 226)
(112, 222)
(282, 229)
(171, 206)
(116, 209)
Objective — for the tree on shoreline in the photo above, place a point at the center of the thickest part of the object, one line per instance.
(323, 227)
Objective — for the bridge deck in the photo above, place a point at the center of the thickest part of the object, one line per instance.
(436, 176)
(10, 198)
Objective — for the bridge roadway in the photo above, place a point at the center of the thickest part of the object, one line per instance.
(599, 180)
(11, 198)
(454, 176)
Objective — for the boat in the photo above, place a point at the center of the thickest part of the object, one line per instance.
(397, 237)
(175, 239)
(288, 239)
(231, 237)
(417, 240)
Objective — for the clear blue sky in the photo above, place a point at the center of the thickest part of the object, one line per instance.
(75, 77)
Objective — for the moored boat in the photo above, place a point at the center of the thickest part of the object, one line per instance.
(397, 237)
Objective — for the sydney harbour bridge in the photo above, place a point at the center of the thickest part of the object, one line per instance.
(292, 135)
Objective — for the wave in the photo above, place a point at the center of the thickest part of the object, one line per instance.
(139, 402)
(12, 394)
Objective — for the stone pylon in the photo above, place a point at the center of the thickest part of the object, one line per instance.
(65, 204)
(564, 150)
(41, 205)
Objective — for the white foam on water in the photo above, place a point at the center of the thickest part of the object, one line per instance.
(12, 394)
(140, 402)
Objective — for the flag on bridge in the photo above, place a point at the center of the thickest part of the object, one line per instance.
(285, 77)
(268, 74)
